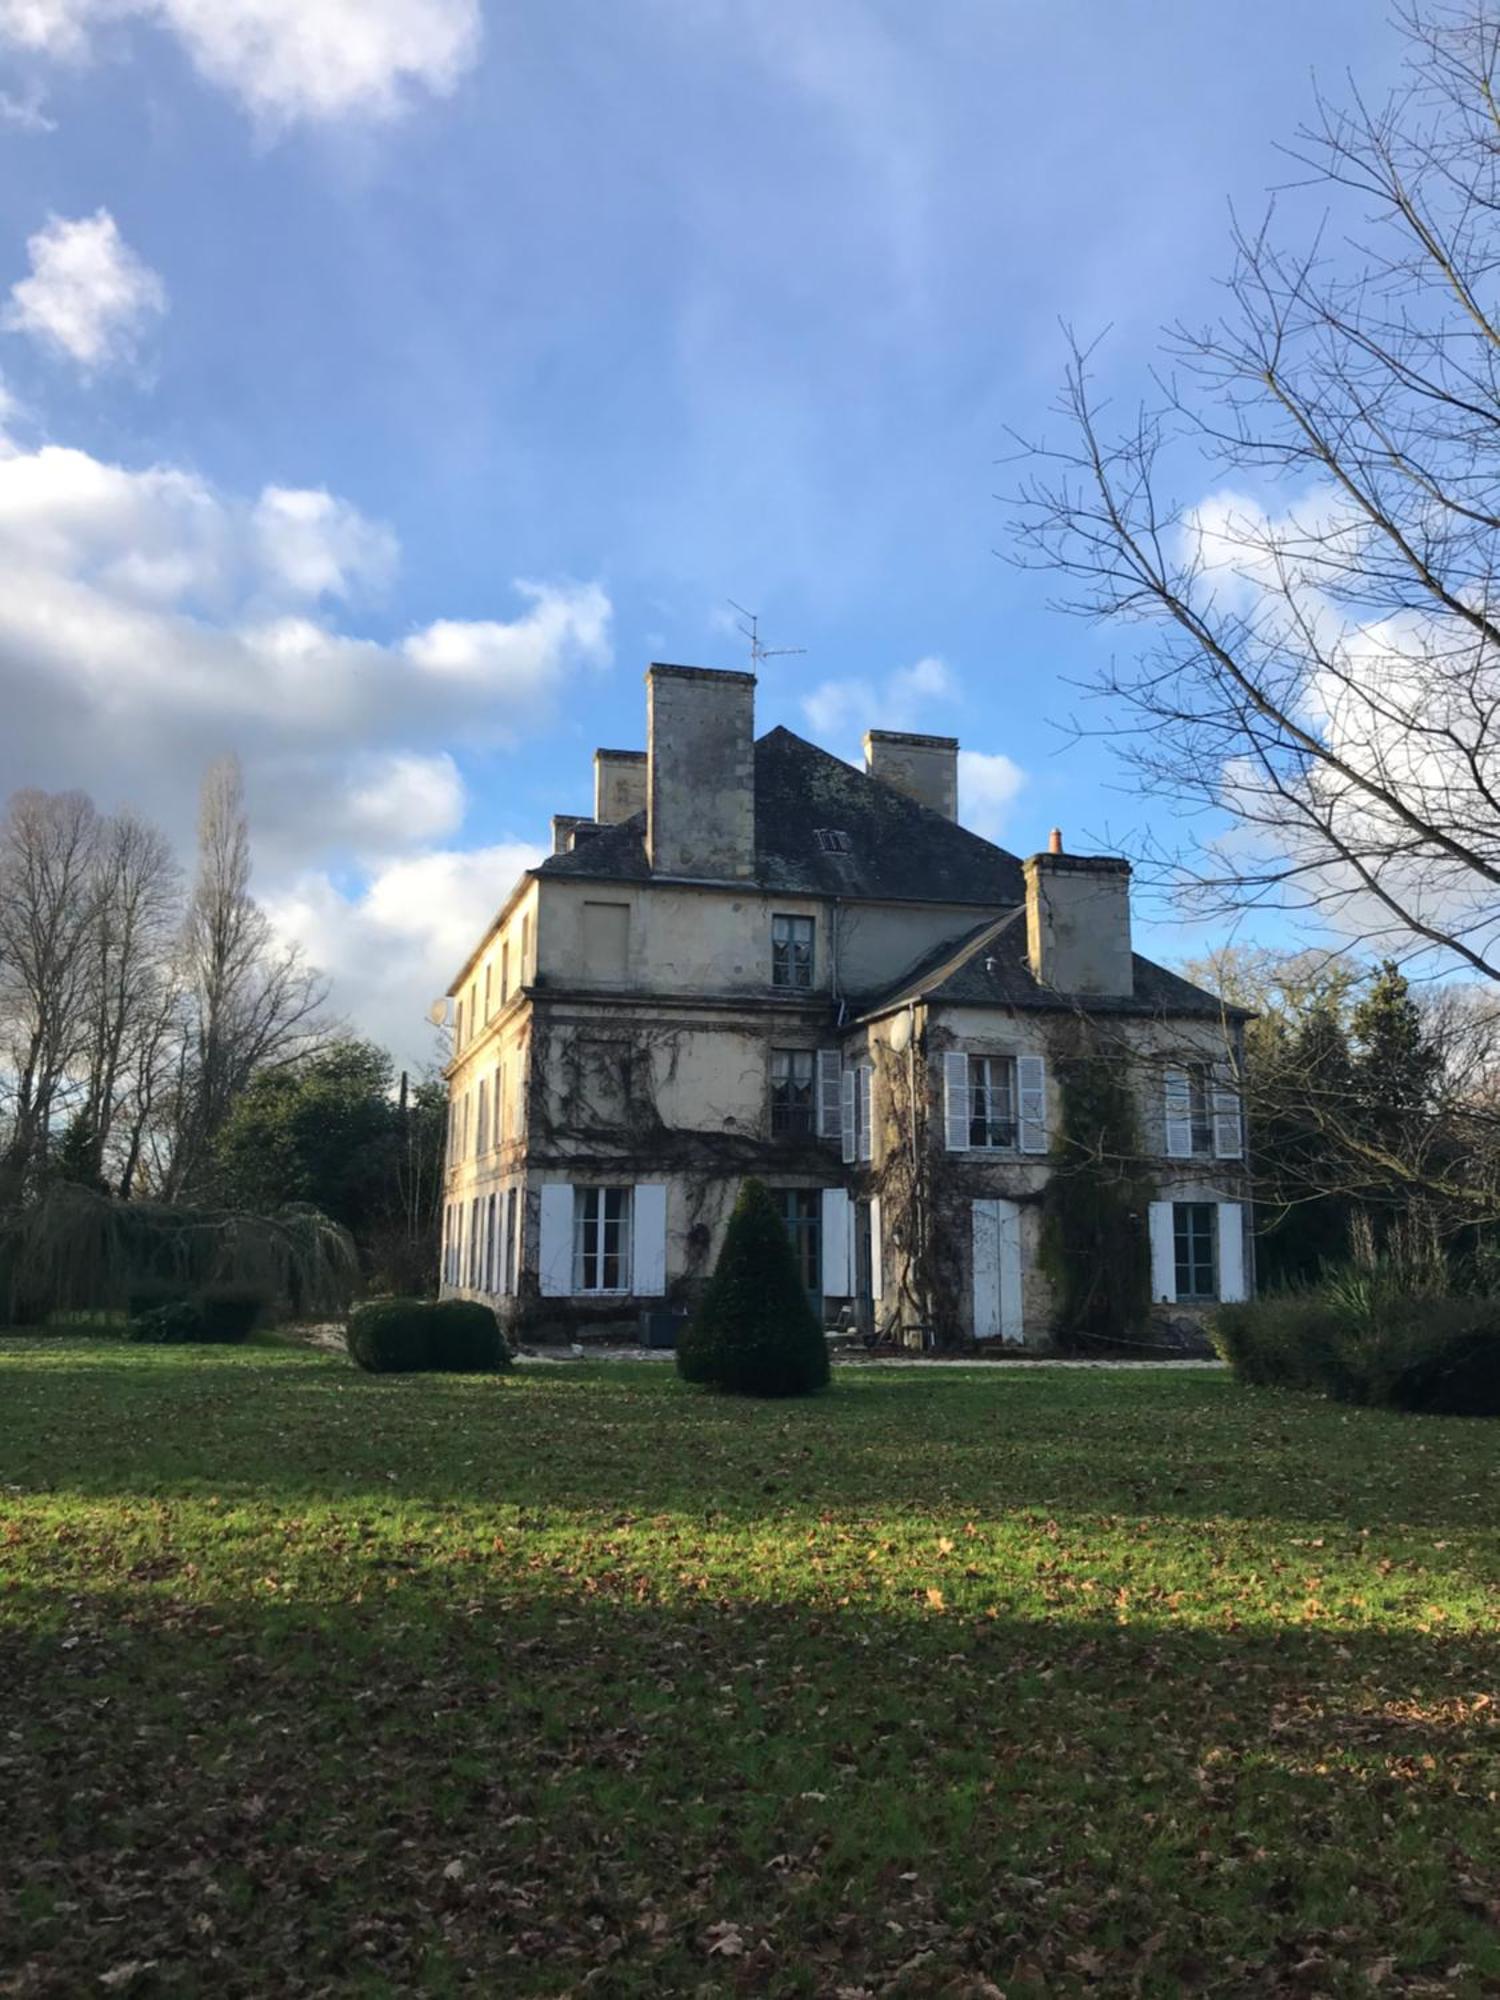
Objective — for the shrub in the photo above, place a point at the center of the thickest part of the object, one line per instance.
(755, 1332)
(170, 1325)
(409, 1336)
(231, 1313)
(466, 1337)
(1362, 1339)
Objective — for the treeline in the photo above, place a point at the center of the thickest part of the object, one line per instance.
(159, 1042)
(1374, 1116)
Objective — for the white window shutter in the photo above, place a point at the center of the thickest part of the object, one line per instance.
(1163, 1254)
(830, 1094)
(1179, 1115)
(1031, 1093)
(1012, 1326)
(648, 1240)
(986, 1225)
(1231, 1252)
(1229, 1138)
(846, 1115)
(877, 1267)
(515, 1265)
(866, 1121)
(956, 1101)
(555, 1256)
(837, 1282)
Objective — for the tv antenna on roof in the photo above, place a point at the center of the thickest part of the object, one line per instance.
(749, 628)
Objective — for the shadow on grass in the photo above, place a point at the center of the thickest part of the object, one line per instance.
(435, 1784)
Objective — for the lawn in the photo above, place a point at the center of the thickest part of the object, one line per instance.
(1025, 1682)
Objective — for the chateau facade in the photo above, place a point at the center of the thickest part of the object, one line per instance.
(752, 958)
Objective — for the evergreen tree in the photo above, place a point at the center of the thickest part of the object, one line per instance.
(755, 1333)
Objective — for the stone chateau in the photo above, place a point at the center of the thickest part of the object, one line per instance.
(752, 958)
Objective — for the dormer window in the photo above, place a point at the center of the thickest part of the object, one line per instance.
(792, 952)
(833, 840)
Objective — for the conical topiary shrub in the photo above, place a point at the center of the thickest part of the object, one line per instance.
(755, 1333)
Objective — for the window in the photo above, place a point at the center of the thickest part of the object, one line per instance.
(488, 968)
(473, 1008)
(1193, 1241)
(601, 1239)
(792, 952)
(482, 1120)
(792, 1091)
(992, 1102)
(504, 973)
(1202, 1115)
(458, 1026)
(833, 840)
(524, 961)
(802, 1212)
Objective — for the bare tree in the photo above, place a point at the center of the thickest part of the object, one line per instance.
(252, 1003)
(1320, 642)
(130, 980)
(49, 845)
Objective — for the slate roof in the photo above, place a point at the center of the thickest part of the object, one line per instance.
(988, 967)
(898, 850)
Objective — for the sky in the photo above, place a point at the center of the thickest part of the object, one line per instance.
(383, 383)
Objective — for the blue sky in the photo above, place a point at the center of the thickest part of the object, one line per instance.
(386, 381)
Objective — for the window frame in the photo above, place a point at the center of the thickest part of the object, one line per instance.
(982, 1090)
(1195, 1224)
(592, 1219)
(794, 952)
(794, 1106)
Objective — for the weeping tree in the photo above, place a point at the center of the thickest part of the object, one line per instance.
(75, 1250)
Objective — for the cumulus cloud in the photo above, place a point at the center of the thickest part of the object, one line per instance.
(151, 621)
(285, 60)
(988, 785)
(392, 947)
(89, 295)
(899, 701)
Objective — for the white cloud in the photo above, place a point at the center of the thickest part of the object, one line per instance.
(988, 785)
(285, 60)
(25, 114)
(89, 296)
(312, 545)
(392, 947)
(900, 701)
(150, 622)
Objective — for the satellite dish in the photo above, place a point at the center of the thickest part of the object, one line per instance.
(900, 1034)
(437, 1013)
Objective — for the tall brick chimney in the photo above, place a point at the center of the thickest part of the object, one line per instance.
(700, 761)
(924, 767)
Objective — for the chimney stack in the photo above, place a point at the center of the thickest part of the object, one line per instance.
(924, 767)
(619, 785)
(700, 761)
(1078, 923)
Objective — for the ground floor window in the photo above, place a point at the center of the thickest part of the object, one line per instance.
(601, 1239)
(802, 1212)
(1193, 1241)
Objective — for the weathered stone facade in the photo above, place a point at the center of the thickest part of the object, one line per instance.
(753, 959)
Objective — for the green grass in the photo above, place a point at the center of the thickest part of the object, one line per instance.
(1021, 1681)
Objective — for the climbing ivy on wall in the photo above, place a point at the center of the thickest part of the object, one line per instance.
(1095, 1242)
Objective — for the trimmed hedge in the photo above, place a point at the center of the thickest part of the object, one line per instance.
(755, 1333)
(219, 1316)
(1361, 1341)
(415, 1336)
